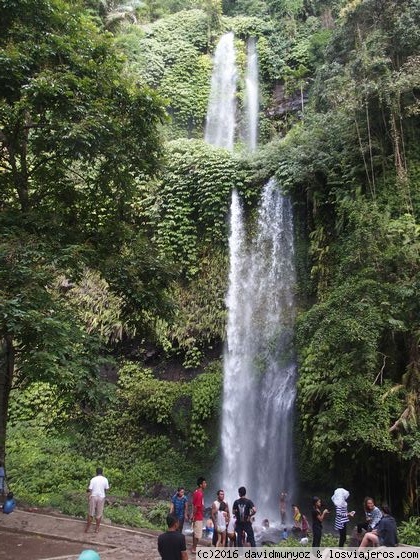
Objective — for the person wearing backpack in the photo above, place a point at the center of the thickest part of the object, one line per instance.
(243, 509)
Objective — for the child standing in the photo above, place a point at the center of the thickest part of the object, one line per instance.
(231, 535)
(221, 525)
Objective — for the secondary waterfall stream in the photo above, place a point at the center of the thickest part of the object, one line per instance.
(259, 365)
(251, 95)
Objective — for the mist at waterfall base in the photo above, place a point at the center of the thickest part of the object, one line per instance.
(259, 365)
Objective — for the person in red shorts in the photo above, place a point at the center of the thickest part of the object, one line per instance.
(198, 511)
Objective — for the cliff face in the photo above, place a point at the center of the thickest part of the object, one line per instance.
(282, 103)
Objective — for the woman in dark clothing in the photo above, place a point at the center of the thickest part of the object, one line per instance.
(317, 519)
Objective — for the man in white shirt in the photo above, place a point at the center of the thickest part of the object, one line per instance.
(96, 497)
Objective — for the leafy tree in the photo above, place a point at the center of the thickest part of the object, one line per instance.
(69, 119)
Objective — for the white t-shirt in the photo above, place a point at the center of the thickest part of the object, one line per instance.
(221, 521)
(98, 485)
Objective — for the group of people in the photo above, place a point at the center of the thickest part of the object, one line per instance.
(233, 527)
(230, 527)
(377, 529)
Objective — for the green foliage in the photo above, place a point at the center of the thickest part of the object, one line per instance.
(158, 403)
(40, 399)
(358, 343)
(284, 8)
(248, 26)
(55, 467)
(244, 7)
(200, 315)
(367, 305)
(99, 309)
(139, 276)
(152, 400)
(130, 515)
(44, 325)
(154, 427)
(94, 251)
(186, 85)
(69, 117)
(205, 397)
(86, 114)
(157, 516)
(171, 56)
(193, 198)
(151, 10)
(191, 25)
(46, 469)
(408, 531)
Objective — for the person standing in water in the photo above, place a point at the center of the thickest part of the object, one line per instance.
(283, 507)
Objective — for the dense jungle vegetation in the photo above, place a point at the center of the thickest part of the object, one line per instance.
(113, 250)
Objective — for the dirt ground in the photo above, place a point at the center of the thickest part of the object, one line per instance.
(36, 535)
(32, 535)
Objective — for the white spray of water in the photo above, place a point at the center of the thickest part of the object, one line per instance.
(259, 366)
(220, 121)
(252, 95)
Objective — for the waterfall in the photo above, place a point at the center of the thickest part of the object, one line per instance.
(259, 365)
(220, 121)
(251, 95)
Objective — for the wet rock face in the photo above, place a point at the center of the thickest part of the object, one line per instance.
(282, 103)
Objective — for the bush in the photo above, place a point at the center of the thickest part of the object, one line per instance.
(409, 531)
(127, 515)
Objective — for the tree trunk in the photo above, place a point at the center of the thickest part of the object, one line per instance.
(7, 365)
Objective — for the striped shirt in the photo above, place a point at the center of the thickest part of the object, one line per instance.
(341, 517)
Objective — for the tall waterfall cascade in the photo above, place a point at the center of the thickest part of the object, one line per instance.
(220, 121)
(252, 95)
(259, 365)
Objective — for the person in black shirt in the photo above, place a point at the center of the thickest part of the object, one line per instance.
(243, 509)
(317, 519)
(171, 545)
